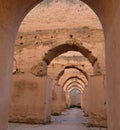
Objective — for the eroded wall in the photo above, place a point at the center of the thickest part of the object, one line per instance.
(97, 100)
(34, 41)
(31, 99)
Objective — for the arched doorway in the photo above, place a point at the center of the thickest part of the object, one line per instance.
(107, 7)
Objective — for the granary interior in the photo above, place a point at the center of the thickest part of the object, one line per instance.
(59, 63)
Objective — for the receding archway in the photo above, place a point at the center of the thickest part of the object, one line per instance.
(74, 77)
(106, 10)
(71, 67)
(75, 97)
(72, 85)
(66, 76)
(69, 46)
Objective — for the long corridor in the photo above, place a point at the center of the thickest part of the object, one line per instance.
(72, 119)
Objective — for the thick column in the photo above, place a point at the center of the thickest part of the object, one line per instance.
(6, 60)
(56, 100)
(67, 100)
(31, 99)
(82, 101)
(113, 70)
(85, 100)
(7, 40)
(97, 100)
(63, 101)
(48, 99)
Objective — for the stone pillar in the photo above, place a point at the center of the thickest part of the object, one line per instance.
(85, 100)
(82, 101)
(56, 100)
(63, 100)
(67, 100)
(6, 65)
(113, 70)
(97, 100)
(31, 99)
(8, 32)
(48, 99)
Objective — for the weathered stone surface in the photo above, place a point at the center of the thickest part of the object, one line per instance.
(39, 70)
(97, 100)
(85, 100)
(11, 17)
(56, 100)
(31, 99)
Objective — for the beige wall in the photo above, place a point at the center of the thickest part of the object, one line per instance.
(108, 12)
(97, 100)
(48, 95)
(56, 100)
(85, 100)
(31, 99)
(63, 101)
(67, 99)
(82, 101)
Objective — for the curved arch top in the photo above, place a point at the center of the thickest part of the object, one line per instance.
(77, 88)
(74, 67)
(74, 85)
(71, 67)
(73, 77)
(69, 46)
(70, 75)
(100, 7)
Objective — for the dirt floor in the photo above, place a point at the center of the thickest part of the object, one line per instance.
(72, 119)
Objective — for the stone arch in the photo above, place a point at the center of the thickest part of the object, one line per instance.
(66, 78)
(73, 77)
(70, 45)
(92, 61)
(71, 89)
(106, 10)
(74, 83)
(71, 67)
(75, 96)
(67, 91)
(83, 77)
(76, 79)
(27, 5)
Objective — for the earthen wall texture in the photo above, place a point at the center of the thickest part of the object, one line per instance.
(56, 24)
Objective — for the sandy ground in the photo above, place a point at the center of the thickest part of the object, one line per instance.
(72, 119)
